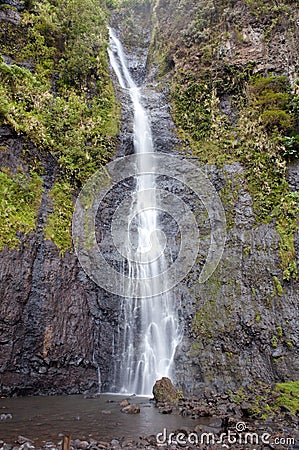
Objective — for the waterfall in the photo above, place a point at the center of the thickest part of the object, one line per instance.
(149, 333)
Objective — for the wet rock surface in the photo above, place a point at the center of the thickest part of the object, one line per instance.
(14, 4)
(131, 409)
(231, 322)
(47, 313)
(164, 391)
(11, 16)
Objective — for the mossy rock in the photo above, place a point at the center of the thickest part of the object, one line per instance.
(165, 392)
(288, 396)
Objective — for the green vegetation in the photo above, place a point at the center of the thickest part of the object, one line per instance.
(209, 319)
(228, 107)
(59, 221)
(260, 8)
(20, 197)
(258, 318)
(266, 121)
(58, 94)
(271, 98)
(264, 401)
(255, 400)
(278, 289)
(288, 396)
(279, 331)
(274, 341)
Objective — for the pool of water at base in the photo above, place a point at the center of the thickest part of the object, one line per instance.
(44, 419)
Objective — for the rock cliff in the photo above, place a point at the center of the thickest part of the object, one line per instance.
(224, 76)
(58, 124)
(217, 64)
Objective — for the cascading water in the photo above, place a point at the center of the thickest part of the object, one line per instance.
(150, 332)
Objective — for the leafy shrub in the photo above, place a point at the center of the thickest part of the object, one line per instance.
(277, 119)
(20, 197)
(64, 101)
(59, 221)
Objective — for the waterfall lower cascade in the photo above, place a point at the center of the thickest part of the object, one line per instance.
(149, 334)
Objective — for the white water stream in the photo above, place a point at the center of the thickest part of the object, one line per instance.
(150, 333)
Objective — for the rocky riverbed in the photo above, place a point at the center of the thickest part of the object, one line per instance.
(212, 422)
(232, 434)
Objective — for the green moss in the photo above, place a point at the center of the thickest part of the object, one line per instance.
(274, 341)
(258, 318)
(266, 401)
(201, 326)
(247, 250)
(272, 97)
(287, 225)
(239, 396)
(58, 227)
(277, 286)
(261, 85)
(20, 198)
(277, 119)
(279, 331)
(255, 399)
(276, 338)
(12, 39)
(288, 396)
(209, 320)
(164, 391)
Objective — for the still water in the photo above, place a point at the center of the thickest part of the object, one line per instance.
(42, 419)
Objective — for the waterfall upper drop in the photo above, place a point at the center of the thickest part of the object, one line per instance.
(149, 332)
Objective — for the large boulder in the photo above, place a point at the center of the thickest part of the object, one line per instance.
(165, 392)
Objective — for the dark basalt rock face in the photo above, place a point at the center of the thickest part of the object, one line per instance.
(239, 326)
(49, 309)
(17, 4)
(44, 311)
